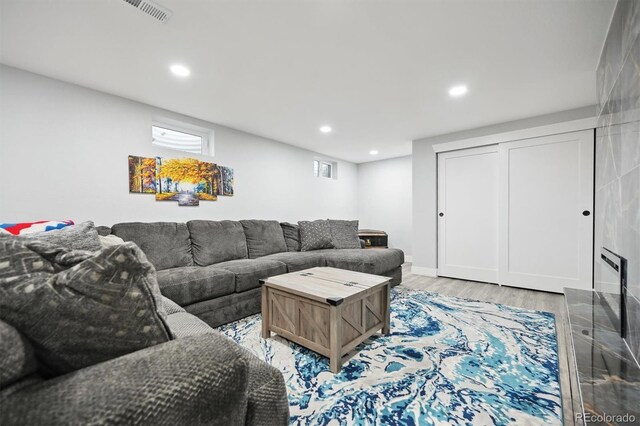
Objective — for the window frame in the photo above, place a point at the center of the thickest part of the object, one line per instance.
(206, 135)
(330, 164)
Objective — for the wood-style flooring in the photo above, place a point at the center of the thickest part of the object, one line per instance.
(528, 299)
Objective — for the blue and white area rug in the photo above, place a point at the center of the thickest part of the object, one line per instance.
(447, 361)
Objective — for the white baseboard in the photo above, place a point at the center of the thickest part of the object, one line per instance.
(408, 259)
(428, 272)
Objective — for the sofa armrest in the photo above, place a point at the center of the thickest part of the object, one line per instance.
(196, 380)
(363, 243)
(267, 396)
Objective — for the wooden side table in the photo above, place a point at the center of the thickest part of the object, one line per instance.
(373, 238)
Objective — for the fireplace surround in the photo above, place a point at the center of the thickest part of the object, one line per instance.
(612, 285)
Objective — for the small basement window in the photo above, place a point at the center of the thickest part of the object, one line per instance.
(324, 169)
(181, 139)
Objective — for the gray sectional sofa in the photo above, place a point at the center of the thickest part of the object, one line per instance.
(213, 268)
(209, 274)
(87, 338)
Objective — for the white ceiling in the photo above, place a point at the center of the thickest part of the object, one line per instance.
(378, 72)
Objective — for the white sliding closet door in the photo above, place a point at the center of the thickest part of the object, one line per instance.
(546, 206)
(468, 214)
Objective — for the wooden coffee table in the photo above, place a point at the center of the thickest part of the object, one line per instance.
(327, 310)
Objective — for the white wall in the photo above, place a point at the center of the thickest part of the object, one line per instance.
(64, 148)
(425, 248)
(384, 200)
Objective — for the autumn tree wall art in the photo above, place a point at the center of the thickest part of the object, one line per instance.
(185, 180)
(226, 181)
(142, 174)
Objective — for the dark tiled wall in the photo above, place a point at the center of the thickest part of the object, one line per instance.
(617, 212)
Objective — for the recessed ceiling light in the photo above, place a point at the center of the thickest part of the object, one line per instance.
(325, 129)
(180, 70)
(373, 152)
(457, 91)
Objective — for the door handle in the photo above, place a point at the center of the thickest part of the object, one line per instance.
(441, 214)
(586, 213)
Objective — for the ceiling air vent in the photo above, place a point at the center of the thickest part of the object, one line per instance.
(152, 9)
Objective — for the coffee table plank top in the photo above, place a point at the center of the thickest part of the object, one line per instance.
(325, 284)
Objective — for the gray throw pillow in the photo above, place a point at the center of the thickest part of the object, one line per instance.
(264, 237)
(344, 234)
(80, 308)
(291, 236)
(315, 235)
(82, 236)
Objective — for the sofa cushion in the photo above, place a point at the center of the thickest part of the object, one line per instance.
(166, 244)
(297, 261)
(315, 235)
(291, 234)
(80, 308)
(216, 241)
(344, 234)
(191, 284)
(83, 236)
(226, 309)
(249, 272)
(264, 237)
(372, 261)
(17, 359)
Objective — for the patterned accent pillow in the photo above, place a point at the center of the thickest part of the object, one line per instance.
(25, 228)
(291, 236)
(315, 235)
(344, 234)
(80, 308)
(77, 237)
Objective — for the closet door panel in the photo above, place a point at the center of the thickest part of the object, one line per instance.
(545, 239)
(468, 214)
